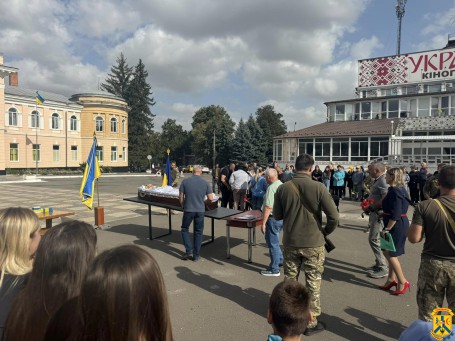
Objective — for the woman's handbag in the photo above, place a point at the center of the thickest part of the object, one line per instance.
(387, 242)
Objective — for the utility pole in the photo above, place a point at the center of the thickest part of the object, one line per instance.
(400, 14)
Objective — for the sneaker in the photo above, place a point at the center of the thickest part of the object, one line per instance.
(378, 273)
(186, 256)
(319, 327)
(270, 273)
(196, 259)
(372, 268)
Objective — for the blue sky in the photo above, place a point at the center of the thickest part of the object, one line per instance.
(294, 54)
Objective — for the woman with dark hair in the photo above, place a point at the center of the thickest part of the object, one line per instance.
(122, 298)
(61, 263)
(326, 175)
(316, 174)
(19, 239)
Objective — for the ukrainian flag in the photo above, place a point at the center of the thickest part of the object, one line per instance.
(39, 99)
(91, 173)
(167, 180)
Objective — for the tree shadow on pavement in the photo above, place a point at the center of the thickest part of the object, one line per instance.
(389, 328)
(251, 299)
(214, 252)
(346, 330)
(333, 274)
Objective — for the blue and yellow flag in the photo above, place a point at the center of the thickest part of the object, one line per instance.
(167, 180)
(39, 99)
(91, 173)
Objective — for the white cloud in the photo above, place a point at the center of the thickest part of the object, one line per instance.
(365, 47)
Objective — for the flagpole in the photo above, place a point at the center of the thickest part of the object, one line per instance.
(36, 139)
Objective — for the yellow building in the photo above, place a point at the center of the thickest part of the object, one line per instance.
(59, 132)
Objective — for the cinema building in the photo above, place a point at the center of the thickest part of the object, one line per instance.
(403, 114)
(58, 133)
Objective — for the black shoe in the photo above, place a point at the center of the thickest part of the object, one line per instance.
(319, 327)
(186, 256)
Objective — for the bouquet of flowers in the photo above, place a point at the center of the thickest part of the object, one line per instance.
(366, 206)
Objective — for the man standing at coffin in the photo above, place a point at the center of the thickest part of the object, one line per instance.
(192, 193)
(226, 190)
(175, 175)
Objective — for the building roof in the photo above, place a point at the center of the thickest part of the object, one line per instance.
(27, 93)
(345, 129)
(98, 93)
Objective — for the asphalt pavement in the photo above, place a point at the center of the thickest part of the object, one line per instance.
(226, 299)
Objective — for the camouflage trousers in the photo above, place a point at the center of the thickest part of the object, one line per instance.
(311, 260)
(436, 280)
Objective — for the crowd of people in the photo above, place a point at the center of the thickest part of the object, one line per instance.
(55, 287)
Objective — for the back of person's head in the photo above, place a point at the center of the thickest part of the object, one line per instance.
(289, 308)
(397, 176)
(60, 266)
(18, 228)
(447, 177)
(124, 297)
(379, 167)
(304, 163)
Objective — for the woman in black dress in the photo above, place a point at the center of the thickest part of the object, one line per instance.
(395, 207)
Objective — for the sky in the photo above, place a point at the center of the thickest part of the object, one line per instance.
(241, 55)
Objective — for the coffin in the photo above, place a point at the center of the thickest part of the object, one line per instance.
(170, 196)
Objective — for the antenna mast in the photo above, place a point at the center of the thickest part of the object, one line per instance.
(400, 14)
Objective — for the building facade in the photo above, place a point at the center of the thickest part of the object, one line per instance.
(58, 133)
(403, 113)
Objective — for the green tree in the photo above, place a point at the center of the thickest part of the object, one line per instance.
(118, 81)
(176, 139)
(206, 121)
(140, 117)
(258, 145)
(272, 125)
(242, 148)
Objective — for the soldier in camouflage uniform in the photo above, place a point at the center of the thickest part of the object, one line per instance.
(431, 187)
(368, 182)
(433, 219)
(299, 202)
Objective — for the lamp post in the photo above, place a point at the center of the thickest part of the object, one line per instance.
(214, 156)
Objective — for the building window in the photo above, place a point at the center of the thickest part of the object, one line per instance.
(35, 119)
(340, 112)
(12, 117)
(340, 150)
(306, 146)
(359, 149)
(393, 108)
(73, 123)
(113, 125)
(366, 111)
(113, 153)
(55, 153)
(123, 127)
(124, 154)
(100, 153)
(379, 146)
(278, 150)
(322, 149)
(73, 153)
(55, 121)
(36, 153)
(13, 152)
(99, 124)
(424, 107)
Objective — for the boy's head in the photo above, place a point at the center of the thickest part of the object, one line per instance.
(289, 308)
